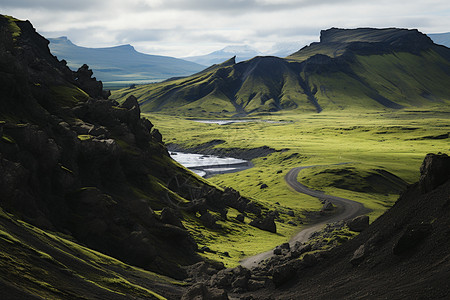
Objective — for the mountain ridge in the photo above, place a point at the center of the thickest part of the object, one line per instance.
(122, 63)
(343, 71)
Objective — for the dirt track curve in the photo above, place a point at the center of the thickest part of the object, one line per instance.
(347, 209)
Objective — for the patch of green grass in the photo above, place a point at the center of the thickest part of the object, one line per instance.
(14, 29)
(68, 95)
(8, 139)
(392, 141)
(237, 239)
(127, 286)
(85, 137)
(66, 169)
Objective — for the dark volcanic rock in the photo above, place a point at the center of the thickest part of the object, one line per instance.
(171, 216)
(284, 273)
(358, 224)
(200, 291)
(265, 223)
(83, 78)
(435, 170)
(240, 217)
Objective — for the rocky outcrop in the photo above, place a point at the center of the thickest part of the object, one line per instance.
(200, 291)
(73, 161)
(265, 223)
(435, 170)
(84, 80)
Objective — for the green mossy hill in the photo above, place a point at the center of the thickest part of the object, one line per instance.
(353, 178)
(348, 69)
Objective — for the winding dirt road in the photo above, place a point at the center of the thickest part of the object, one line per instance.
(347, 209)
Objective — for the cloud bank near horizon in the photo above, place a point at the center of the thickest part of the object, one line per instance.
(183, 28)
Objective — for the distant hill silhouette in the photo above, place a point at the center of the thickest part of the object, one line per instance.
(241, 52)
(441, 38)
(122, 63)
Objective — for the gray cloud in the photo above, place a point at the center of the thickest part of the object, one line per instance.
(52, 5)
(180, 27)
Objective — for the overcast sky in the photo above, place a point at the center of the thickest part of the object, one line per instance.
(184, 28)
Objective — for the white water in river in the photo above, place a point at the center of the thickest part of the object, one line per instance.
(208, 165)
(227, 122)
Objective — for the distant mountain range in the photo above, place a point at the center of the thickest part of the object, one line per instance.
(348, 69)
(441, 38)
(121, 64)
(241, 52)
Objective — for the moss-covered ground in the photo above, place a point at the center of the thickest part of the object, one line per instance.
(390, 143)
(52, 266)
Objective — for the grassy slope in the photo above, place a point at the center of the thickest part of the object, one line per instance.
(395, 141)
(51, 266)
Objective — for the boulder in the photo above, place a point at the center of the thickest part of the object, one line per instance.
(358, 224)
(208, 220)
(240, 218)
(284, 273)
(267, 224)
(200, 291)
(170, 216)
(435, 170)
(309, 260)
(240, 282)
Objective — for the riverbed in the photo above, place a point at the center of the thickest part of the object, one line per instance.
(209, 165)
(228, 122)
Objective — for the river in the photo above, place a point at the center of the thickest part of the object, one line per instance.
(209, 165)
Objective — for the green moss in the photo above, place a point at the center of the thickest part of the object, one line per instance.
(127, 147)
(85, 137)
(13, 27)
(8, 139)
(123, 284)
(68, 95)
(66, 169)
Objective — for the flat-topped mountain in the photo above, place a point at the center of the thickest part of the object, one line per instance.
(122, 63)
(348, 69)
